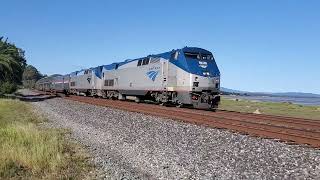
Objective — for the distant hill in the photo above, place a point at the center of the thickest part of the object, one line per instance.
(231, 90)
(296, 94)
(285, 94)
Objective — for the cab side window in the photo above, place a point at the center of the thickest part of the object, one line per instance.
(145, 61)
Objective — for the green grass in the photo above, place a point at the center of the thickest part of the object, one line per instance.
(30, 152)
(282, 109)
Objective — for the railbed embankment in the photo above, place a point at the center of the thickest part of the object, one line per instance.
(135, 145)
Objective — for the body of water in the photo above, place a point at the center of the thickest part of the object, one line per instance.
(296, 100)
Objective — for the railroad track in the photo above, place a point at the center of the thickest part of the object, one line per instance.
(306, 124)
(290, 130)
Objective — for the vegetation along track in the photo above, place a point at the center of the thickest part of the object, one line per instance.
(290, 130)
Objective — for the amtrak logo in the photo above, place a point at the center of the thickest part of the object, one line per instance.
(152, 75)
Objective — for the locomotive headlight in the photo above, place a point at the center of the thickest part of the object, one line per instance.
(216, 80)
(206, 73)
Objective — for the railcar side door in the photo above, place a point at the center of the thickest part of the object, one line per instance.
(165, 68)
(172, 72)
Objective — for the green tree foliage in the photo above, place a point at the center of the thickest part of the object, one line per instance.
(30, 76)
(12, 64)
(7, 87)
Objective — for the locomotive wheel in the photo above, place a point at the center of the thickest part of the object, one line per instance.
(137, 100)
(164, 104)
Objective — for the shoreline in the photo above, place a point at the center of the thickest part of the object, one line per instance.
(271, 108)
(304, 101)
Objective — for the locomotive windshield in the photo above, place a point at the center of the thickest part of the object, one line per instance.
(198, 56)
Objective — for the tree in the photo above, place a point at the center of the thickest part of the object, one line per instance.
(12, 63)
(5, 66)
(30, 76)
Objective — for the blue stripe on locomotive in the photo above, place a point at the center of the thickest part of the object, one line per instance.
(192, 65)
(188, 65)
(98, 71)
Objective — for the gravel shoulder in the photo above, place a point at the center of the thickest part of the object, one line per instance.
(136, 146)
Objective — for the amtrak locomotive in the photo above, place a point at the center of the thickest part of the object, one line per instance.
(184, 77)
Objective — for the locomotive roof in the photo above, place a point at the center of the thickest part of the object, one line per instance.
(195, 50)
(165, 55)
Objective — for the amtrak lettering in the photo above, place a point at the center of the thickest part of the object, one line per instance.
(154, 68)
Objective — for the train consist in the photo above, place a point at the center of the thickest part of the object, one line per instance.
(183, 77)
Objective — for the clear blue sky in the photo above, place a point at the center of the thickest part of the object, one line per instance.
(266, 45)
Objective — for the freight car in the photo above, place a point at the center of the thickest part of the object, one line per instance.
(184, 77)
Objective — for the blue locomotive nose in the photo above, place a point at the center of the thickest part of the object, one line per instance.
(206, 68)
(197, 61)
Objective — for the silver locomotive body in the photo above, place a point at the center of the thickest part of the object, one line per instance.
(187, 76)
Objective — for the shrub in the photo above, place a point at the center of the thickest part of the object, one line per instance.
(7, 88)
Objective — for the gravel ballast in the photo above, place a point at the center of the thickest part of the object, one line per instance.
(136, 146)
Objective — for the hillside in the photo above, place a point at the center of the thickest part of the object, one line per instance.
(284, 94)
